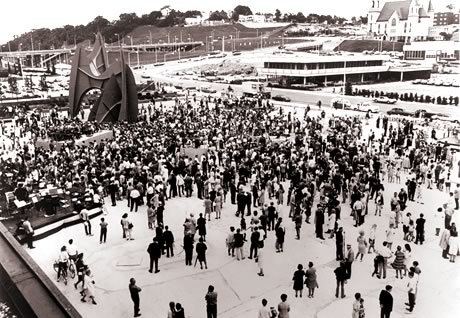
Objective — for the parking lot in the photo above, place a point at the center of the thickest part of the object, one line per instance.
(409, 87)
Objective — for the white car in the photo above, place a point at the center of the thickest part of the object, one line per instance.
(452, 119)
(365, 107)
(384, 100)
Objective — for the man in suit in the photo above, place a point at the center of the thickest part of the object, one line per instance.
(154, 251)
(386, 302)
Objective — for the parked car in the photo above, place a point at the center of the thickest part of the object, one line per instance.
(424, 81)
(456, 84)
(236, 53)
(340, 103)
(447, 83)
(444, 117)
(400, 111)
(423, 113)
(430, 82)
(417, 81)
(438, 83)
(384, 100)
(281, 98)
(365, 107)
(207, 89)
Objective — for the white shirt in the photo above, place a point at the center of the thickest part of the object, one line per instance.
(72, 249)
(264, 312)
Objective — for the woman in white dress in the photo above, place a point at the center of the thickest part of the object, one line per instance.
(453, 247)
(407, 257)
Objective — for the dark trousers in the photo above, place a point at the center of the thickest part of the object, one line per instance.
(253, 248)
(339, 251)
(188, 257)
(348, 267)
(340, 285)
(103, 236)
(169, 248)
(113, 198)
(419, 237)
(456, 204)
(319, 230)
(211, 311)
(136, 301)
(271, 224)
(384, 313)
(30, 239)
(152, 261)
(447, 221)
(134, 203)
(411, 301)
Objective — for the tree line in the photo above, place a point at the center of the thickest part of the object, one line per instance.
(70, 35)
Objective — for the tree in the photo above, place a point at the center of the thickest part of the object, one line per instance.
(456, 100)
(242, 10)
(363, 19)
(300, 18)
(353, 20)
(438, 100)
(348, 88)
(450, 7)
(277, 15)
(446, 36)
(218, 16)
(235, 16)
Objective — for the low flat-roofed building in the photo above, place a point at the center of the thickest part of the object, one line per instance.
(432, 51)
(305, 68)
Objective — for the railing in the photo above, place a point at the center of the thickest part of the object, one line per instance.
(324, 71)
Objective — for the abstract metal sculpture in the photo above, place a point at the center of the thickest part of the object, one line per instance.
(118, 99)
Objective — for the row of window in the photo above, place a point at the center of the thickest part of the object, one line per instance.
(415, 55)
(326, 65)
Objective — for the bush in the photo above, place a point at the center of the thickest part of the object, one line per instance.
(348, 88)
(444, 101)
(456, 100)
(451, 100)
(377, 94)
(427, 99)
(411, 97)
(438, 100)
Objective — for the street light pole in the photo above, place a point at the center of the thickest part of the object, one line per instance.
(150, 36)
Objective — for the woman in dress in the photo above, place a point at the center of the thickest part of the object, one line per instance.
(362, 245)
(311, 280)
(218, 203)
(298, 280)
(407, 258)
(453, 246)
(398, 263)
(283, 307)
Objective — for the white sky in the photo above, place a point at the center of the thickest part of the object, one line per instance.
(24, 15)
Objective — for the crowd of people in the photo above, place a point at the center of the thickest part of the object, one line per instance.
(324, 165)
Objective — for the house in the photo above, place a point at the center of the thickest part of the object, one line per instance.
(255, 18)
(403, 21)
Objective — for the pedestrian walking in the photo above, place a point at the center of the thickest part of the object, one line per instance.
(453, 246)
(103, 236)
(201, 253)
(311, 280)
(356, 306)
(88, 288)
(339, 242)
(134, 290)
(298, 280)
(230, 241)
(29, 232)
(362, 245)
(81, 268)
(398, 263)
(283, 307)
(265, 311)
(411, 291)
(255, 237)
(172, 310)
(168, 238)
(280, 233)
(84, 216)
(201, 226)
(349, 259)
(372, 238)
(154, 251)
(188, 248)
(420, 230)
(239, 243)
(211, 302)
(151, 216)
(341, 276)
(260, 259)
(386, 302)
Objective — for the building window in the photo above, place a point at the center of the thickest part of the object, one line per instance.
(393, 22)
(378, 29)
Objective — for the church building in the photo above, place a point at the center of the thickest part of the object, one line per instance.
(402, 21)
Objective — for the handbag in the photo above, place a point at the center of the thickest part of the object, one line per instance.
(130, 226)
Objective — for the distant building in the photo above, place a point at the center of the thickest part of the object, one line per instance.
(403, 21)
(445, 18)
(432, 51)
(255, 18)
(436, 32)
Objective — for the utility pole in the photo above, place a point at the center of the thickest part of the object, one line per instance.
(223, 44)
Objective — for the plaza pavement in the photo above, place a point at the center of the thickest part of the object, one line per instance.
(239, 287)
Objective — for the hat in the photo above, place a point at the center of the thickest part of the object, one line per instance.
(348, 245)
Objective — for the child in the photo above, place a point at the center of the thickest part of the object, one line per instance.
(410, 231)
(418, 193)
(372, 238)
(398, 175)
